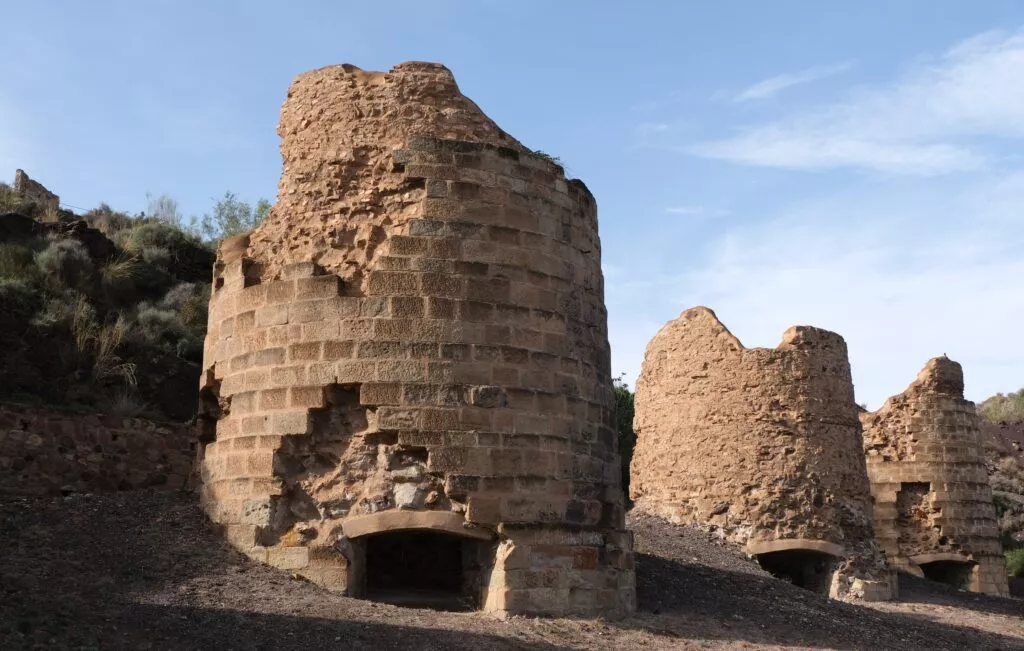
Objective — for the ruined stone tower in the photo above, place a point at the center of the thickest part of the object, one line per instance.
(407, 379)
(762, 446)
(934, 514)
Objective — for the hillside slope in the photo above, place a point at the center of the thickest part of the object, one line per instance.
(102, 312)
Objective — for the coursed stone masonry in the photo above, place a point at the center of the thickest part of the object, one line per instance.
(933, 501)
(415, 340)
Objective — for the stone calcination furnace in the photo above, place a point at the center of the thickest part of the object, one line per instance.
(764, 447)
(407, 380)
(934, 514)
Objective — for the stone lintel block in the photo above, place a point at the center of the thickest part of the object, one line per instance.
(380, 393)
(338, 307)
(241, 536)
(301, 270)
(328, 286)
(350, 371)
(288, 558)
(309, 397)
(484, 509)
(272, 315)
(297, 422)
(282, 291)
(332, 579)
(431, 171)
(393, 283)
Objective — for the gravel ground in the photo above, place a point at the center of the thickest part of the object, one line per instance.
(146, 570)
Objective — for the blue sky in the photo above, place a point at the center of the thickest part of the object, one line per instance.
(853, 167)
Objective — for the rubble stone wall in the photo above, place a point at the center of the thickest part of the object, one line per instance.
(761, 445)
(416, 338)
(926, 461)
(47, 453)
(33, 191)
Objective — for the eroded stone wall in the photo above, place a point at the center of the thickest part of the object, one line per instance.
(48, 453)
(761, 445)
(34, 192)
(926, 461)
(416, 338)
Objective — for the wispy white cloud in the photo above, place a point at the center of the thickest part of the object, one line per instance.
(920, 124)
(902, 275)
(773, 85)
(696, 210)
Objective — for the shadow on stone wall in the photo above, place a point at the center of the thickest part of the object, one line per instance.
(47, 453)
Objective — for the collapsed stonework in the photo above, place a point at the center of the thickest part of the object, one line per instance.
(407, 371)
(763, 447)
(30, 191)
(934, 514)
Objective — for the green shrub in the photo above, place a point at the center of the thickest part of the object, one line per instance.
(20, 299)
(66, 262)
(624, 410)
(1015, 562)
(146, 233)
(106, 362)
(9, 199)
(108, 220)
(165, 209)
(157, 256)
(17, 261)
(1003, 408)
(68, 311)
(190, 301)
(231, 216)
(157, 326)
(125, 403)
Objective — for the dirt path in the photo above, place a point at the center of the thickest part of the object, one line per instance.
(146, 570)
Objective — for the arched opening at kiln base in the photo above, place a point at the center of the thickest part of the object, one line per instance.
(424, 569)
(806, 569)
(955, 574)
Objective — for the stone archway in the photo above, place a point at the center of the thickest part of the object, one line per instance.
(424, 559)
(808, 564)
(952, 569)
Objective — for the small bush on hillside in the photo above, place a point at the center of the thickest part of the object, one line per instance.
(117, 281)
(66, 311)
(66, 262)
(77, 330)
(176, 323)
(1009, 476)
(20, 299)
(190, 301)
(1003, 408)
(157, 326)
(17, 261)
(125, 403)
(155, 234)
(9, 199)
(157, 256)
(1015, 562)
(231, 216)
(165, 209)
(108, 220)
